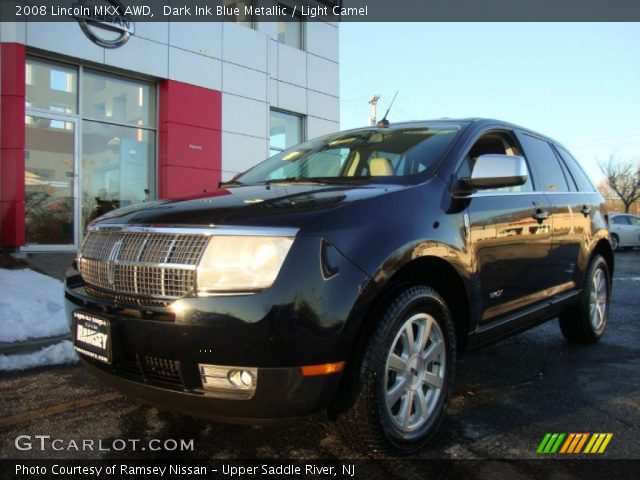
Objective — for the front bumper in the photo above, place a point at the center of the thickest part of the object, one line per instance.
(282, 394)
(157, 351)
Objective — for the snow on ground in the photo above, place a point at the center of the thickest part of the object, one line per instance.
(54, 355)
(31, 306)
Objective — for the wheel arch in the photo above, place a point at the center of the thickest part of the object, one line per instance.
(603, 247)
(431, 271)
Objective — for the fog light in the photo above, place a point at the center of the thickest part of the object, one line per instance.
(241, 379)
(238, 383)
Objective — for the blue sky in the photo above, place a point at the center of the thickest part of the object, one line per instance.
(576, 82)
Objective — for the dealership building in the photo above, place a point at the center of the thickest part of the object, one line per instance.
(93, 118)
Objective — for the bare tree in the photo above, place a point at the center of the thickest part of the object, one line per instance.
(623, 178)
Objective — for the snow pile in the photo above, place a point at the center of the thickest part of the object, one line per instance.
(31, 306)
(54, 355)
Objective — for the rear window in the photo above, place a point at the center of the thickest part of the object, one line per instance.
(547, 172)
(621, 220)
(581, 178)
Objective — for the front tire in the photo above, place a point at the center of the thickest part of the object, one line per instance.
(586, 322)
(405, 376)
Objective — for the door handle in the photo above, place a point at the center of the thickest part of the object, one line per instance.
(585, 210)
(541, 215)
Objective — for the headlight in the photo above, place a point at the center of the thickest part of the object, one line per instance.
(241, 263)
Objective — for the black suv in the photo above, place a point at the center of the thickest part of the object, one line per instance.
(344, 274)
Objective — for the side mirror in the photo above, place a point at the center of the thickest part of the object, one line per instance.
(497, 171)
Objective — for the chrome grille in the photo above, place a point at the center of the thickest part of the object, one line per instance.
(159, 265)
(127, 299)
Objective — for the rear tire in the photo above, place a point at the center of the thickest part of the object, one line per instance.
(615, 241)
(405, 376)
(586, 322)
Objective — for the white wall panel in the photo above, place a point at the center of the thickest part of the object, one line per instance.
(244, 82)
(245, 116)
(240, 152)
(273, 92)
(292, 98)
(204, 38)
(273, 59)
(15, 32)
(195, 69)
(323, 40)
(155, 31)
(319, 126)
(244, 46)
(64, 38)
(323, 106)
(323, 76)
(139, 55)
(292, 65)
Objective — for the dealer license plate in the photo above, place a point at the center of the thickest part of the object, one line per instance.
(92, 336)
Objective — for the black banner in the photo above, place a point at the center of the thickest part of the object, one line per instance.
(122, 11)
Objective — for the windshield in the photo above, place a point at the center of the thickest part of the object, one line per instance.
(394, 155)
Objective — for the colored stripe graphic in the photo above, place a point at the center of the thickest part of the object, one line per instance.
(550, 443)
(574, 443)
(553, 443)
(598, 442)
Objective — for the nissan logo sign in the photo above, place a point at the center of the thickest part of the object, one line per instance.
(106, 22)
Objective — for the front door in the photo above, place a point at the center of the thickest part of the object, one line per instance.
(510, 249)
(509, 235)
(50, 181)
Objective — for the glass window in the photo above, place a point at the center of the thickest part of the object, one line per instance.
(118, 100)
(48, 176)
(291, 32)
(51, 86)
(117, 165)
(581, 178)
(285, 131)
(548, 173)
(396, 155)
(242, 18)
(621, 220)
(634, 220)
(494, 142)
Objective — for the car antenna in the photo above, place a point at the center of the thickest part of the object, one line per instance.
(384, 123)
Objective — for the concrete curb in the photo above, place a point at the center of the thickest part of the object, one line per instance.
(31, 345)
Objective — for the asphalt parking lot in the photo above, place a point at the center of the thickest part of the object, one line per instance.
(506, 398)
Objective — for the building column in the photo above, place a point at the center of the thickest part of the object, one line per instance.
(12, 144)
(190, 140)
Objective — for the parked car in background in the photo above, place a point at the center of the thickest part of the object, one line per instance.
(625, 230)
(344, 274)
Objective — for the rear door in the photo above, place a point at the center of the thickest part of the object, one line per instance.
(571, 212)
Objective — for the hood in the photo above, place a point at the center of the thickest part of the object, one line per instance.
(290, 205)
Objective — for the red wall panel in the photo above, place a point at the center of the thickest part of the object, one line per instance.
(190, 139)
(180, 182)
(11, 175)
(12, 144)
(190, 105)
(187, 146)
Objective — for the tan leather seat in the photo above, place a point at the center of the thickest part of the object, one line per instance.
(380, 167)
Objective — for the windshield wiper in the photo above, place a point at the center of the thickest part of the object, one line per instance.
(230, 183)
(294, 180)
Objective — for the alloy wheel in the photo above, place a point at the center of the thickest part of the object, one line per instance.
(598, 303)
(415, 373)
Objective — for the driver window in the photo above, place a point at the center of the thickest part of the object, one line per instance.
(501, 143)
